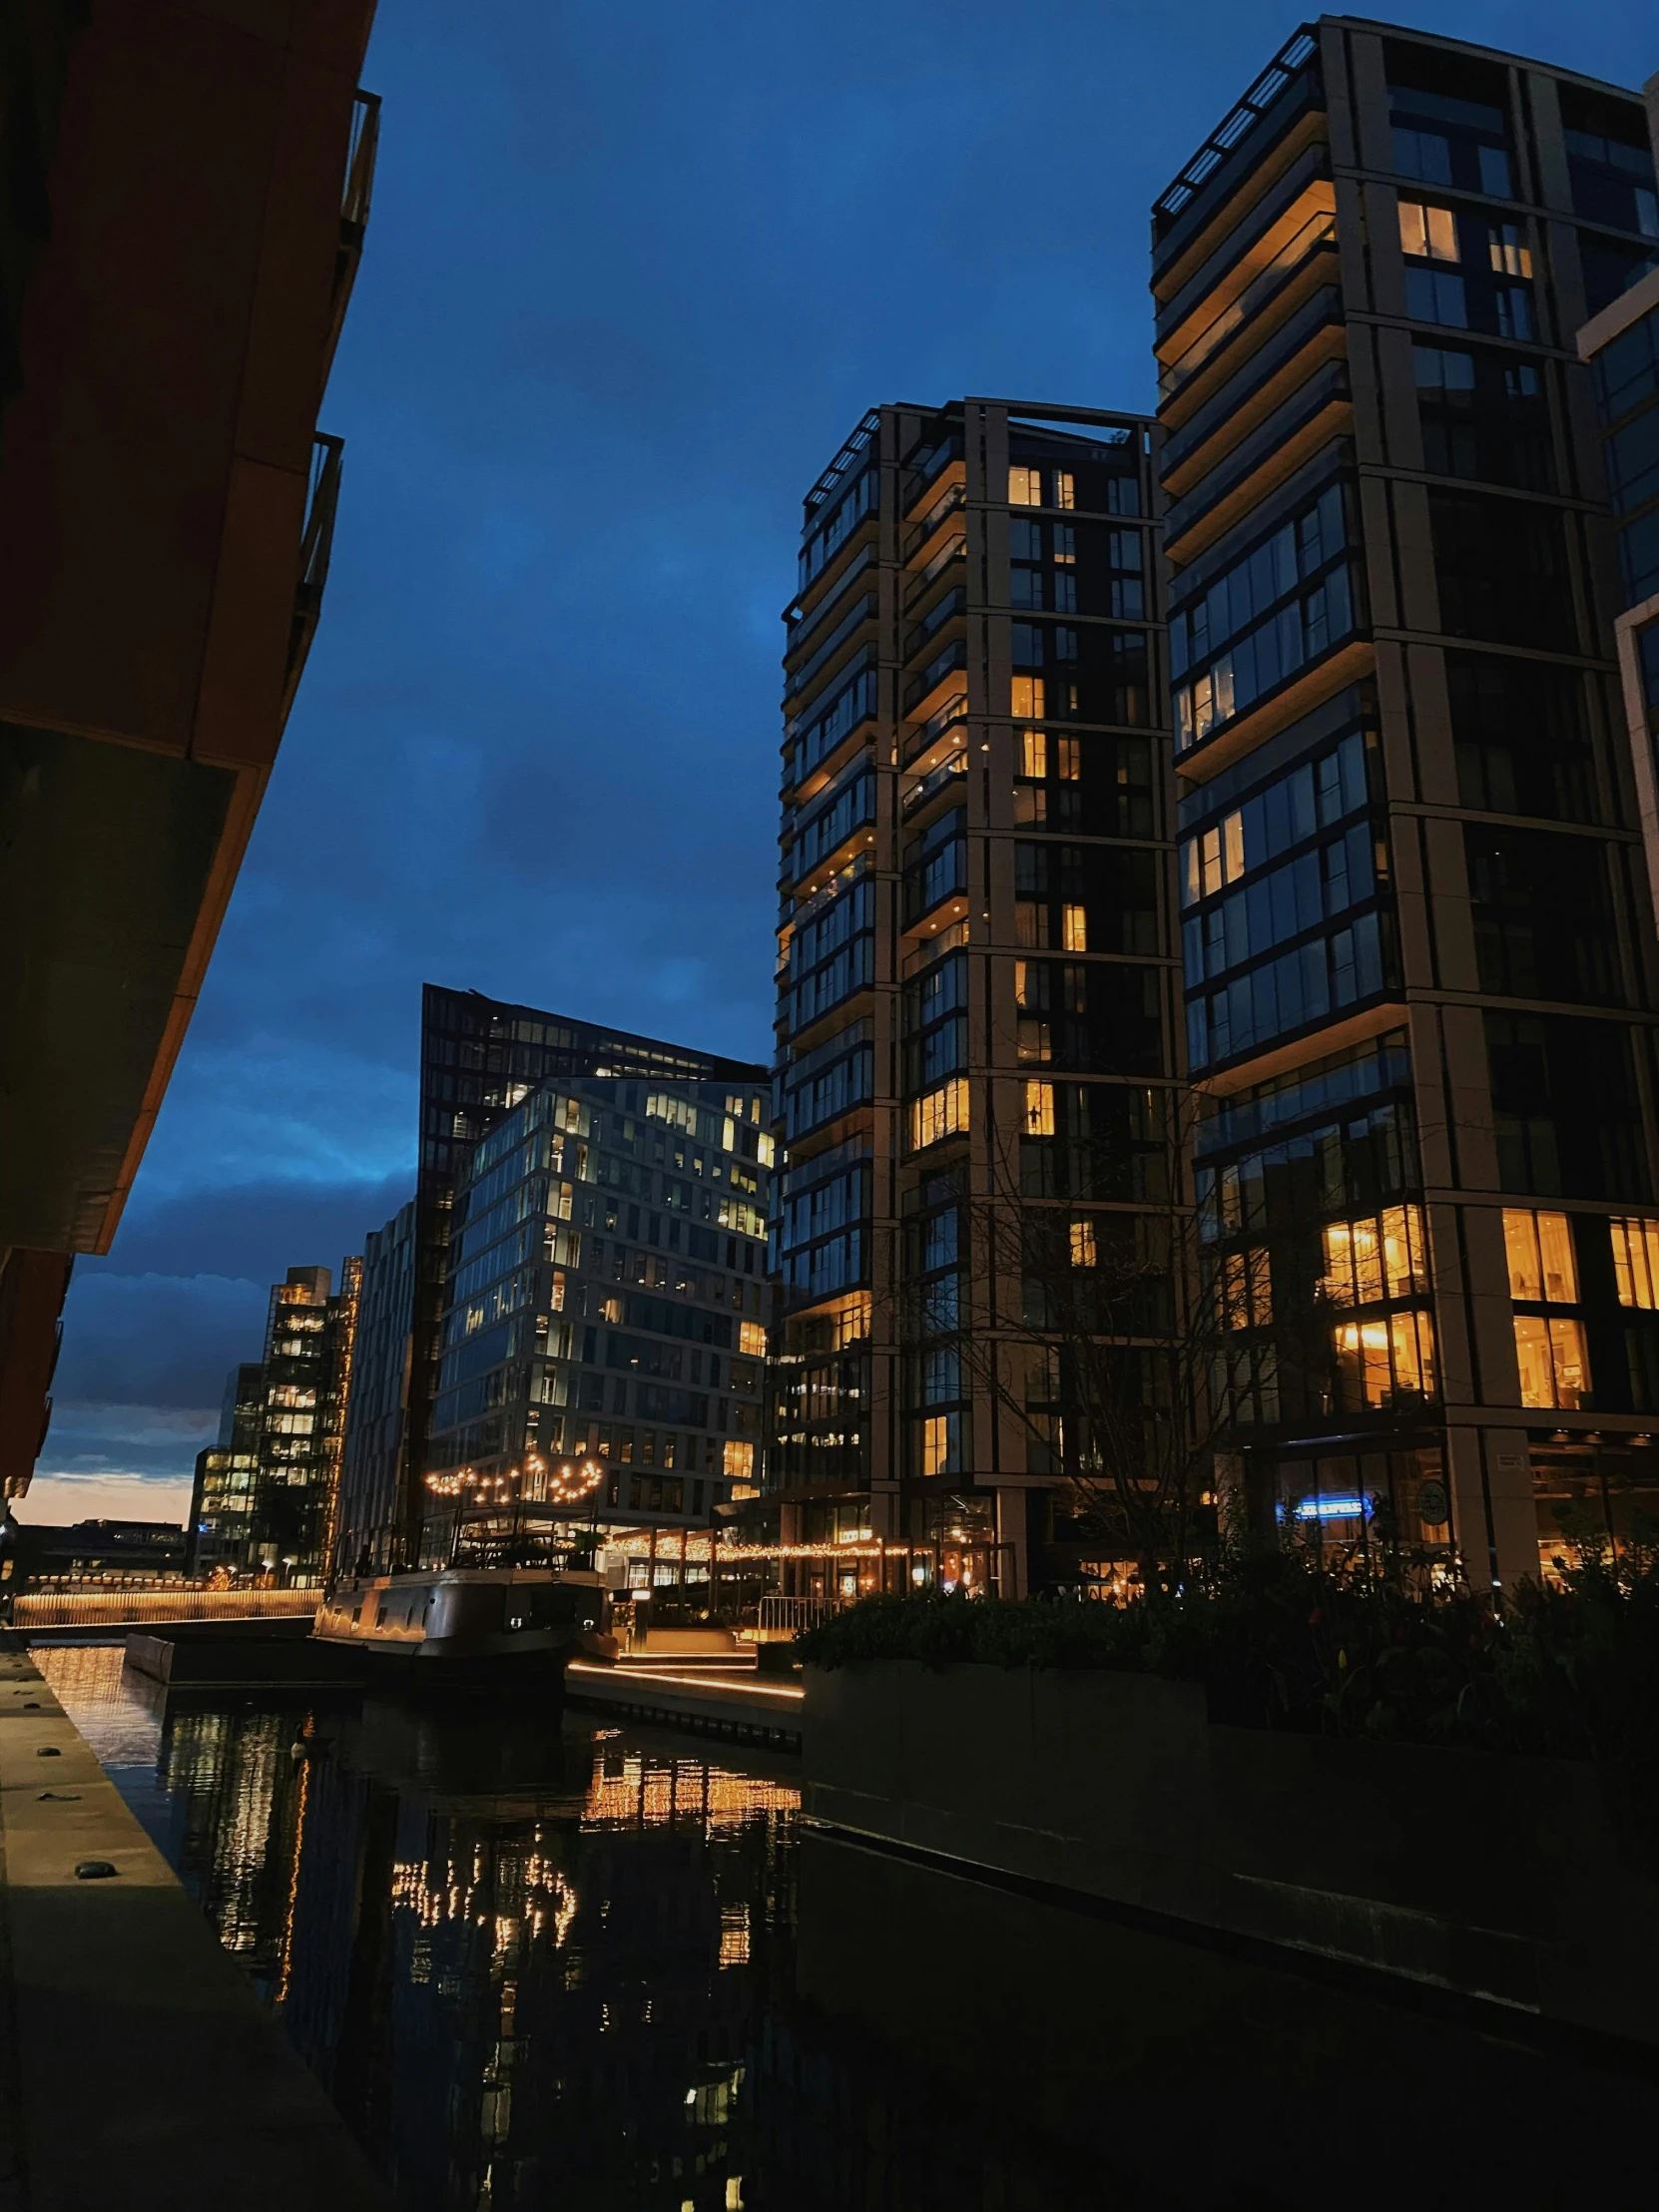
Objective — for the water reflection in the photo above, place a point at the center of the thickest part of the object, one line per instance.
(543, 1969)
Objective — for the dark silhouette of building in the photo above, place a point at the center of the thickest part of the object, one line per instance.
(182, 205)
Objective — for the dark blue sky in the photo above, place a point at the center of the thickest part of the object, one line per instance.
(631, 275)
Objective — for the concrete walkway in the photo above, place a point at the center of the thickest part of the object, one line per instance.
(138, 2072)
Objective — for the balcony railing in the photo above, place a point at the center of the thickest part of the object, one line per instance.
(1237, 125)
(935, 781)
(315, 544)
(353, 210)
(1319, 229)
(953, 709)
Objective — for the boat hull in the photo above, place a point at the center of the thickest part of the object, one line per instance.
(481, 1632)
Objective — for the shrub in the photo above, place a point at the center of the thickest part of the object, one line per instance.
(1281, 1641)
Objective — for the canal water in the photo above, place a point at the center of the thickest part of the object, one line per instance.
(543, 1968)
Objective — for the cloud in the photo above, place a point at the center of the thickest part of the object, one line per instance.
(149, 1342)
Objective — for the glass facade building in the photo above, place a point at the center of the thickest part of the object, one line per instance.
(976, 988)
(373, 1454)
(267, 1496)
(607, 1300)
(480, 1058)
(1418, 938)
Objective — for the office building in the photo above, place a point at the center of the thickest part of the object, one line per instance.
(1418, 936)
(376, 1443)
(977, 983)
(607, 1301)
(181, 209)
(221, 1499)
(267, 1495)
(479, 1059)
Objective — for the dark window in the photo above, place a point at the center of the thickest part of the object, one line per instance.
(1522, 740)
(1502, 568)
(1627, 368)
(1610, 161)
(1633, 461)
(1610, 268)
(1544, 915)
(1484, 415)
(1564, 1105)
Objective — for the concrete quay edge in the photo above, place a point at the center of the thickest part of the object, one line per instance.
(144, 2073)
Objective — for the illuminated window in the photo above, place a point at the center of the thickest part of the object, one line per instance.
(942, 1113)
(1383, 1256)
(1033, 753)
(1026, 697)
(1213, 861)
(1069, 766)
(1508, 256)
(751, 1338)
(1074, 930)
(941, 1443)
(1064, 492)
(1025, 488)
(1379, 1361)
(1022, 982)
(1082, 1243)
(1538, 1251)
(1039, 1109)
(1033, 1041)
(765, 1149)
(1636, 1260)
(557, 1304)
(1554, 1365)
(1246, 1289)
(1427, 232)
(738, 1464)
(289, 1394)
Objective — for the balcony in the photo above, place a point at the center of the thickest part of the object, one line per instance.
(1284, 90)
(919, 691)
(315, 543)
(354, 213)
(860, 865)
(951, 502)
(1289, 437)
(948, 711)
(949, 603)
(950, 770)
(954, 549)
(1230, 342)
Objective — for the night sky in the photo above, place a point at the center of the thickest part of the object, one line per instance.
(631, 275)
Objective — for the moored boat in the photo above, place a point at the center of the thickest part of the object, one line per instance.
(485, 1628)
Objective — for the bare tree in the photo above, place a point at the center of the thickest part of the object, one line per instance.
(1106, 1329)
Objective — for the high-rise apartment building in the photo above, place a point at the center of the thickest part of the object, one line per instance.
(479, 1058)
(607, 1300)
(976, 989)
(1419, 945)
(267, 1495)
(221, 1499)
(182, 209)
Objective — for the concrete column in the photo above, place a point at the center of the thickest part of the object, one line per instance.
(1010, 1529)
